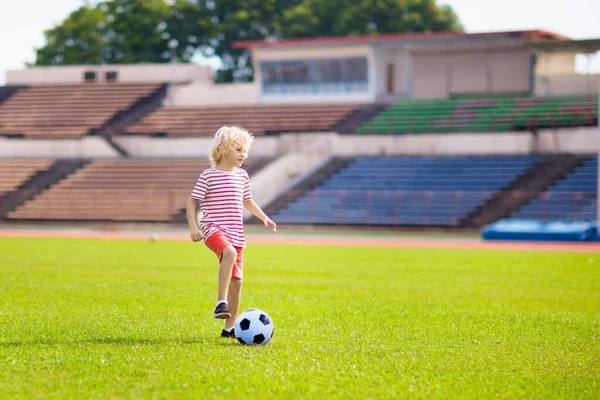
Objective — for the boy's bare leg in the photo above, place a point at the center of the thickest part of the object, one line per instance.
(225, 267)
(233, 299)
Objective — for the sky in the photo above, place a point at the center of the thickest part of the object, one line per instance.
(22, 23)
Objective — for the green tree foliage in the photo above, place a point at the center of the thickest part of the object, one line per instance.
(125, 31)
(75, 41)
(317, 18)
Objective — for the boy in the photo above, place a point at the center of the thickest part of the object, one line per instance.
(222, 192)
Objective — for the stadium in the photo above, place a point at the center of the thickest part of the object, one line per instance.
(431, 130)
(448, 179)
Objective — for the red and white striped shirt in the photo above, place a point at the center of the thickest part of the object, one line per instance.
(221, 198)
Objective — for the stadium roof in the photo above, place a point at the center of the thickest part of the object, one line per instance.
(583, 45)
(533, 35)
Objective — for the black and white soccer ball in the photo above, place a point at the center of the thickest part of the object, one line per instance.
(254, 327)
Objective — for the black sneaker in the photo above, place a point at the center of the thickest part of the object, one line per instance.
(222, 312)
(226, 334)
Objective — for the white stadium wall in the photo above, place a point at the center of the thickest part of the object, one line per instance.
(468, 73)
(401, 60)
(148, 147)
(430, 76)
(557, 85)
(578, 141)
(562, 63)
(572, 140)
(88, 147)
(206, 93)
(509, 71)
(440, 75)
(134, 73)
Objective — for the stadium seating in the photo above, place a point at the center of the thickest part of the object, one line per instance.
(67, 111)
(258, 119)
(137, 190)
(7, 91)
(501, 114)
(14, 172)
(119, 190)
(406, 190)
(573, 198)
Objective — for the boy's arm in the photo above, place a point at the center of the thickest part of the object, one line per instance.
(258, 213)
(190, 212)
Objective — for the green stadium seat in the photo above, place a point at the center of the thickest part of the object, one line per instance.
(499, 114)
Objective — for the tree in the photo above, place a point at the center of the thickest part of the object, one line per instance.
(125, 31)
(316, 18)
(75, 41)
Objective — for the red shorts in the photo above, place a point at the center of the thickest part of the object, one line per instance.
(217, 242)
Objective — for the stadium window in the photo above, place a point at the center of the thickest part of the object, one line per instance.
(111, 76)
(334, 71)
(269, 75)
(316, 75)
(295, 72)
(357, 69)
(89, 76)
(328, 71)
(268, 72)
(318, 68)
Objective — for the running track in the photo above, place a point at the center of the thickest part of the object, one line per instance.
(329, 240)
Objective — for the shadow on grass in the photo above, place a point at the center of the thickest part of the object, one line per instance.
(229, 343)
(117, 341)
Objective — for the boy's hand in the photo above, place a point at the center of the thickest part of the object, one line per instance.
(196, 235)
(271, 225)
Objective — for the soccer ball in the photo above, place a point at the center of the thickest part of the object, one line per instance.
(254, 327)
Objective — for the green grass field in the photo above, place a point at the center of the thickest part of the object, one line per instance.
(130, 319)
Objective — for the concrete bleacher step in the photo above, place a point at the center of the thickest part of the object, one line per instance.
(61, 111)
(523, 189)
(358, 117)
(160, 187)
(258, 119)
(39, 182)
(572, 198)
(7, 91)
(124, 118)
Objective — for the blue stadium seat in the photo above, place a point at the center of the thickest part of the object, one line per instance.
(573, 198)
(406, 190)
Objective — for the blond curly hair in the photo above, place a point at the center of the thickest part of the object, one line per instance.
(226, 138)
